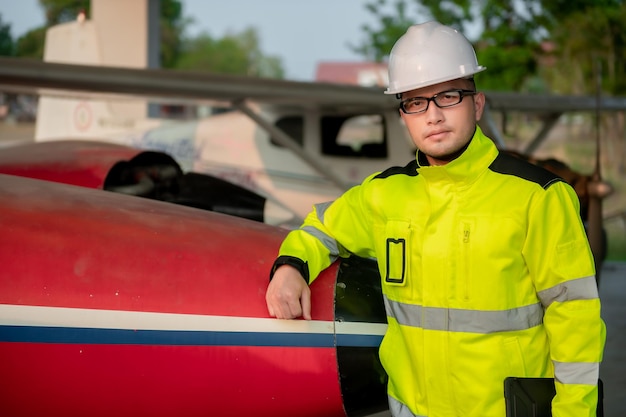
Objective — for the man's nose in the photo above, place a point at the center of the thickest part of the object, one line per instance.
(434, 114)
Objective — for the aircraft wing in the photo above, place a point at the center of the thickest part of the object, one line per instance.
(16, 73)
(170, 84)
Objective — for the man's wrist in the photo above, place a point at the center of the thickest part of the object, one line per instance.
(294, 262)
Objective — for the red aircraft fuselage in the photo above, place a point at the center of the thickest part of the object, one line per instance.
(114, 305)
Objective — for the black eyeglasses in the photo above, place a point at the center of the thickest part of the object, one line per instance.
(444, 99)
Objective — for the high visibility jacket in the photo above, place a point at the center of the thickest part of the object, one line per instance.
(486, 273)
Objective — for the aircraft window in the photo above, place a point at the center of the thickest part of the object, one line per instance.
(357, 136)
(292, 126)
(149, 174)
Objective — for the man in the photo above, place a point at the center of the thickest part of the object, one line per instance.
(486, 270)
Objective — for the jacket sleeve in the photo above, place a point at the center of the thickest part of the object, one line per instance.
(331, 230)
(559, 259)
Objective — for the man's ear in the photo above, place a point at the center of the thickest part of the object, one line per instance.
(479, 105)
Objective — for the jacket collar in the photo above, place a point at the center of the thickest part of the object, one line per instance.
(476, 158)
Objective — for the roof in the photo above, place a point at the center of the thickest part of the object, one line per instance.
(360, 73)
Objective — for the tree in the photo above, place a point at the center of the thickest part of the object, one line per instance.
(587, 37)
(7, 47)
(505, 46)
(513, 35)
(172, 26)
(233, 54)
(393, 24)
(62, 11)
(31, 44)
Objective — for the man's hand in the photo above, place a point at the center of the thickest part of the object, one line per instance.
(288, 296)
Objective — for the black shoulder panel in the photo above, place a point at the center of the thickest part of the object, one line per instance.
(511, 165)
(409, 169)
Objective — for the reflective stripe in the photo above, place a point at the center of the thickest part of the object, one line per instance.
(400, 410)
(577, 372)
(329, 243)
(577, 289)
(320, 210)
(459, 320)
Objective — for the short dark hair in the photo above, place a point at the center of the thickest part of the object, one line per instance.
(472, 82)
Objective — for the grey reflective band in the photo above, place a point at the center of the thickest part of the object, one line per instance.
(460, 320)
(400, 410)
(320, 210)
(578, 289)
(328, 242)
(577, 372)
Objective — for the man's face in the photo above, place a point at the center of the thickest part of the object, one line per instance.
(442, 133)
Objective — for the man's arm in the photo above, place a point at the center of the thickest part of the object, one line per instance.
(329, 231)
(288, 296)
(560, 260)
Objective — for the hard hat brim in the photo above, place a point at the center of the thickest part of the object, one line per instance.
(404, 89)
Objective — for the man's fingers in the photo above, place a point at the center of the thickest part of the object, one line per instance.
(270, 309)
(286, 292)
(306, 304)
(283, 306)
(293, 308)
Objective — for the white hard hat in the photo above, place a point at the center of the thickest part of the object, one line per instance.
(428, 54)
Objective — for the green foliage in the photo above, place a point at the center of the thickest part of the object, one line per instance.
(509, 67)
(585, 38)
(6, 40)
(31, 44)
(233, 54)
(61, 11)
(379, 41)
(237, 54)
(616, 248)
(172, 27)
(525, 44)
(454, 13)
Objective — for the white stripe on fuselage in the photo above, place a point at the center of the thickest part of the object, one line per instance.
(40, 316)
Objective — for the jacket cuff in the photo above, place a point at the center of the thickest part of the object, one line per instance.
(297, 263)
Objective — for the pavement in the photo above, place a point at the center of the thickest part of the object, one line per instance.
(13, 132)
(613, 368)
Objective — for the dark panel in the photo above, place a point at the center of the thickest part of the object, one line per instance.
(359, 299)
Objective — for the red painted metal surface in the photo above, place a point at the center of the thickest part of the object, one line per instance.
(103, 380)
(66, 246)
(81, 163)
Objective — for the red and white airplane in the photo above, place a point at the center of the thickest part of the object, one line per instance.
(112, 304)
(116, 305)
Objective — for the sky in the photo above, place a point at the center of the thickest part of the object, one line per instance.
(300, 33)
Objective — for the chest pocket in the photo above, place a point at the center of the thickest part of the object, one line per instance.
(397, 250)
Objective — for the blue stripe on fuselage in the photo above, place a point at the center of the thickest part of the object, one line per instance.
(79, 335)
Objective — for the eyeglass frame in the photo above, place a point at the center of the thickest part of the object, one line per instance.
(462, 94)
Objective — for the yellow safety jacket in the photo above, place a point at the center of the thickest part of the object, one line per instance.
(486, 273)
